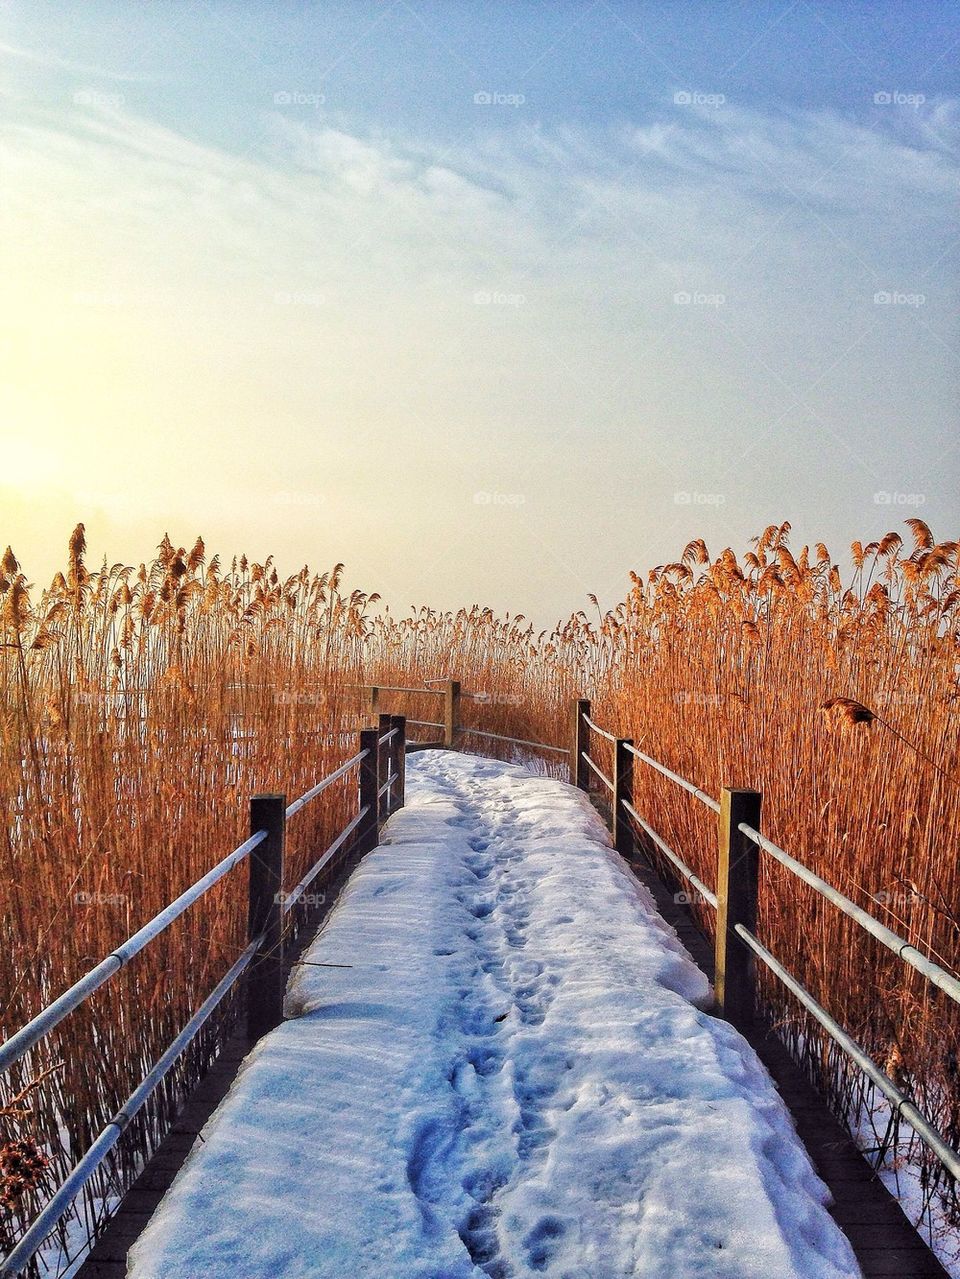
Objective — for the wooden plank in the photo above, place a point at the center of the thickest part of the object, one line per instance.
(265, 916)
(579, 743)
(738, 868)
(367, 832)
(621, 831)
(451, 712)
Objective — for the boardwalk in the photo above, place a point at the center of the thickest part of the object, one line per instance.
(497, 1062)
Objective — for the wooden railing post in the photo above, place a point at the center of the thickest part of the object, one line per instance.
(384, 767)
(451, 712)
(374, 701)
(738, 865)
(367, 833)
(620, 827)
(579, 743)
(399, 722)
(265, 916)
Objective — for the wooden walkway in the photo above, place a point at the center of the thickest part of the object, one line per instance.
(883, 1239)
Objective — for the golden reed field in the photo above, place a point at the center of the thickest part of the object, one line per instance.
(143, 706)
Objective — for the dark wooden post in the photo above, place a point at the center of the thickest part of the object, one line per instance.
(620, 827)
(367, 834)
(738, 865)
(374, 701)
(579, 743)
(399, 722)
(451, 712)
(265, 916)
(384, 767)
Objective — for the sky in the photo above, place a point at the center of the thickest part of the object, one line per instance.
(493, 302)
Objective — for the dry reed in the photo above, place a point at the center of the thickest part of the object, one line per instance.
(141, 709)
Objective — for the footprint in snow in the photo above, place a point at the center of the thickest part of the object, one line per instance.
(543, 1241)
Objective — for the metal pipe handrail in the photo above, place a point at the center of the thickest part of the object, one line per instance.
(382, 741)
(905, 950)
(18, 1258)
(291, 899)
(660, 768)
(519, 741)
(904, 1106)
(596, 768)
(45, 1021)
(693, 879)
(390, 688)
(424, 723)
(322, 785)
(611, 737)
(675, 777)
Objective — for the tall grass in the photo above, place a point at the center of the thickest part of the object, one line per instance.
(141, 708)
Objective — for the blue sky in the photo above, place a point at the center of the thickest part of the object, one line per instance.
(494, 302)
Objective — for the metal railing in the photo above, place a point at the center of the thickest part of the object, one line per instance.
(737, 948)
(513, 741)
(381, 755)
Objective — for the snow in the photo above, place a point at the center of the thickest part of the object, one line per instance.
(514, 1075)
(903, 1175)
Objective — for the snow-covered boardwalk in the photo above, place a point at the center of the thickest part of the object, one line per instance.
(496, 1063)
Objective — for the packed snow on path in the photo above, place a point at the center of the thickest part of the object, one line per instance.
(512, 1076)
